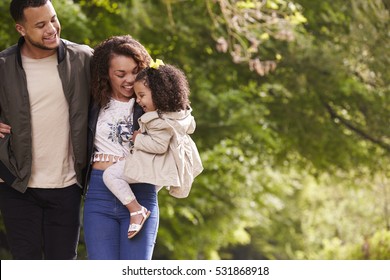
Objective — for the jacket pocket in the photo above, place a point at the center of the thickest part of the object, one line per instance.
(6, 167)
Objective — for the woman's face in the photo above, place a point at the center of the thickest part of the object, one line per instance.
(122, 71)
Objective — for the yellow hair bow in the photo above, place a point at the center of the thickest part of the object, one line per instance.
(156, 64)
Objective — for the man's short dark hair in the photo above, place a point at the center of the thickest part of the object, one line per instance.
(16, 8)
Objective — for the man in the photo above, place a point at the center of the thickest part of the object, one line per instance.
(44, 96)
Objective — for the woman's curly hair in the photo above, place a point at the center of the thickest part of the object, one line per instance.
(117, 45)
(169, 87)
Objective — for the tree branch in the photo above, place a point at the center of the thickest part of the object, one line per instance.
(354, 128)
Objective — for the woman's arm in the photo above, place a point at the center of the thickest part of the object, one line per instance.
(4, 129)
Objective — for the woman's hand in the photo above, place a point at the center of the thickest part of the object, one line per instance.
(4, 129)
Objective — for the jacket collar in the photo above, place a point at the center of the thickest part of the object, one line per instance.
(60, 51)
(147, 117)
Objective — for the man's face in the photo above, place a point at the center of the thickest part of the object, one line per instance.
(41, 30)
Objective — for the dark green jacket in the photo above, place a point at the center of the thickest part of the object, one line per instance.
(15, 149)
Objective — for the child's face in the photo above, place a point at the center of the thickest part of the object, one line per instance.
(144, 96)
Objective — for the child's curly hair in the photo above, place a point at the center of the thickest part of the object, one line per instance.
(169, 87)
(117, 45)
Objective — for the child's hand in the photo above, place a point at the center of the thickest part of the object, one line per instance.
(135, 133)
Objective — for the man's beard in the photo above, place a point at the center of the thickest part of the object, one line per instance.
(40, 45)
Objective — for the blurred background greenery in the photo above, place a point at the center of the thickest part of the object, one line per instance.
(292, 106)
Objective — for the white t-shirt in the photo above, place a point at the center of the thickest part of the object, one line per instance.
(114, 130)
(52, 154)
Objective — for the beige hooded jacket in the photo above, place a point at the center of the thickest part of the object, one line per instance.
(164, 154)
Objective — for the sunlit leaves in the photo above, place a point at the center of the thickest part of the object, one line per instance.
(246, 29)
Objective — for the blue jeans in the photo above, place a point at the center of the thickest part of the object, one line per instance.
(106, 221)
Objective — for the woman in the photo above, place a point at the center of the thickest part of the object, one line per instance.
(163, 153)
(113, 117)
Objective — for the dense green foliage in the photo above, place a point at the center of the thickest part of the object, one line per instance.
(292, 106)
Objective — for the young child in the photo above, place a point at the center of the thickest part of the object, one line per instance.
(163, 153)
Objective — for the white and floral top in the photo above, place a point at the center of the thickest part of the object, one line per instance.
(114, 130)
